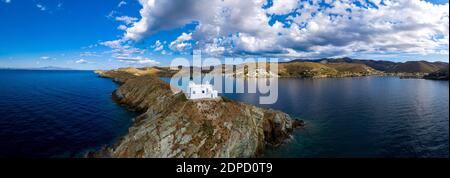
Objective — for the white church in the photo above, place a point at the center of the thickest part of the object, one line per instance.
(201, 91)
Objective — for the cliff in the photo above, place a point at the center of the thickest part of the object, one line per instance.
(172, 126)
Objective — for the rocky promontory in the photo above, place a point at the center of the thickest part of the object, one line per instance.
(172, 126)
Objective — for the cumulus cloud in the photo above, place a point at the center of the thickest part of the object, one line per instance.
(41, 7)
(121, 3)
(122, 27)
(126, 19)
(158, 46)
(89, 54)
(112, 44)
(138, 60)
(123, 52)
(308, 28)
(181, 43)
(280, 7)
(111, 14)
(120, 48)
(81, 61)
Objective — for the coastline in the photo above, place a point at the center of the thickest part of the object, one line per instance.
(172, 126)
(135, 84)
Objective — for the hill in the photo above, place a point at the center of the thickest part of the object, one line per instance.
(438, 75)
(388, 66)
(320, 68)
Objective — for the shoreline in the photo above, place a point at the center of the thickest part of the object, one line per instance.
(172, 126)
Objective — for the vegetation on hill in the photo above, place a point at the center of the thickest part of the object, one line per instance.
(389, 66)
(438, 75)
(319, 70)
(305, 69)
(340, 67)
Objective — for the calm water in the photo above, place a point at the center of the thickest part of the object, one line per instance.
(66, 113)
(363, 117)
(57, 113)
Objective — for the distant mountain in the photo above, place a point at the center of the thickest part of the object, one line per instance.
(40, 68)
(52, 68)
(388, 66)
(320, 70)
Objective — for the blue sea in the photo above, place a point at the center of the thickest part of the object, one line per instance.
(363, 117)
(67, 113)
(57, 113)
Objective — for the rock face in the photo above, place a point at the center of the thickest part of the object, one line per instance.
(172, 126)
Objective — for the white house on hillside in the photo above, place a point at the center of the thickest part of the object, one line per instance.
(201, 91)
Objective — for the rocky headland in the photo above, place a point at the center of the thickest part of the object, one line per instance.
(169, 125)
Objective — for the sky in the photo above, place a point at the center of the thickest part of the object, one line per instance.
(95, 34)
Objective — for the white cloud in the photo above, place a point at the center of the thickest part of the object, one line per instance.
(137, 60)
(121, 48)
(280, 7)
(89, 54)
(123, 52)
(121, 3)
(112, 44)
(158, 46)
(181, 43)
(122, 27)
(81, 61)
(45, 58)
(242, 27)
(111, 15)
(126, 19)
(41, 7)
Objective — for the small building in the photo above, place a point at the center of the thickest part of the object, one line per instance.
(201, 91)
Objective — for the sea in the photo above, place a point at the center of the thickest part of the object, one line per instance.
(69, 113)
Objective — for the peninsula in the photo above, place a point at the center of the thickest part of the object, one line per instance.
(172, 126)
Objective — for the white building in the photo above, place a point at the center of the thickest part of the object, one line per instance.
(201, 91)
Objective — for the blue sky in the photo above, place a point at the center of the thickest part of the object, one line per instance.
(38, 33)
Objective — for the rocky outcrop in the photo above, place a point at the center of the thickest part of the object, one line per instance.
(172, 126)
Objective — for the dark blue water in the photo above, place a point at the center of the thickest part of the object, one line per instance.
(363, 117)
(66, 113)
(57, 113)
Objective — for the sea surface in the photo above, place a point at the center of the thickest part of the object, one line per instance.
(363, 117)
(57, 113)
(67, 113)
